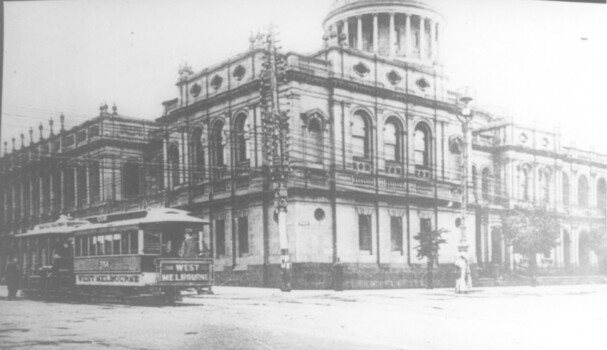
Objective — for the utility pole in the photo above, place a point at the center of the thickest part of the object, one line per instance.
(275, 123)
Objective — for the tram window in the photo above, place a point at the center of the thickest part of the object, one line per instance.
(152, 243)
(116, 244)
(134, 242)
(84, 241)
(108, 244)
(43, 259)
(100, 245)
(78, 246)
(91, 243)
(125, 243)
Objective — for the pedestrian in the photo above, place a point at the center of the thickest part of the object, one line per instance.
(13, 276)
(189, 247)
(338, 276)
(462, 278)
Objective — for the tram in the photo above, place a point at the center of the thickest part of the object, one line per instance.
(126, 256)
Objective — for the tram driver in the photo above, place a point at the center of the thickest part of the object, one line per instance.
(189, 247)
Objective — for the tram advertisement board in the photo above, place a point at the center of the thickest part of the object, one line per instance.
(185, 272)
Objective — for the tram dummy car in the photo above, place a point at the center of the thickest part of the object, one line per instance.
(140, 253)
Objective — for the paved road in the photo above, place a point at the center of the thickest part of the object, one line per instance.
(572, 317)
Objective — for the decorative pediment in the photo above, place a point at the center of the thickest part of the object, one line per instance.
(315, 113)
(364, 210)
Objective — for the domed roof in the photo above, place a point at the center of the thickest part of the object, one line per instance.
(341, 6)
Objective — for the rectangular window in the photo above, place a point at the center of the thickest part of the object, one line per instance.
(68, 141)
(364, 232)
(85, 245)
(116, 244)
(243, 235)
(78, 246)
(134, 242)
(425, 226)
(100, 249)
(396, 233)
(94, 131)
(92, 248)
(220, 235)
(152, 243)
(108, 244)
(81, 136)
(125, 249)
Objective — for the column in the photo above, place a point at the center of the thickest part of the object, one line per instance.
(422, 38)
(88, 185)
(346, 31)
(51, 191)
(186, 157)
(437, 48)
(408, 35)
(392, 35)
(166, 167)
(31, 196)
(359, 34)
(432, 41)
(101, 180)
(375, 33)
(76, 199)
(61, 190)
(40, 205)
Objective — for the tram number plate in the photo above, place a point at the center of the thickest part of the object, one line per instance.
(184, 272)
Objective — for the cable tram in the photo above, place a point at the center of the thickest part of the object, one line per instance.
(46, 255)
(148, 253)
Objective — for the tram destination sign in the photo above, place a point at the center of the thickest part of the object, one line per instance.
(185, 272)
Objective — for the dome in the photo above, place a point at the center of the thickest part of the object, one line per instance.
(408, 30)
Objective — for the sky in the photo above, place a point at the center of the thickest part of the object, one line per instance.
(542, 62)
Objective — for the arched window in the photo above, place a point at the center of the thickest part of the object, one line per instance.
(197, 155)
(582, 191)
(601, 194)
(422, 140)
(217, 144)
(130, 179)
(241, 129)
(486, 184)
(361, 135)
(392, 144)
(524, 186)
(314, 141)
(173, 154)
(566, 189)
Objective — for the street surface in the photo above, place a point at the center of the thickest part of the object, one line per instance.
(563, 317)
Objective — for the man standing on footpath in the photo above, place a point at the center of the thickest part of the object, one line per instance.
(13, 275)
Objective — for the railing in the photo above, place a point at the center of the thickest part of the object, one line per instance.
(308, 65)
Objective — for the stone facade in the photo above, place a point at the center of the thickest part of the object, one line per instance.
(375, 154)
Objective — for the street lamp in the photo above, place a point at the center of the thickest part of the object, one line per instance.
(464, 115)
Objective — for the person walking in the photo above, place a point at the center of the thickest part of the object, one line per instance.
(13, 275)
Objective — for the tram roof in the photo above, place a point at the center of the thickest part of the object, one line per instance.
(63, 225)
(132, 219)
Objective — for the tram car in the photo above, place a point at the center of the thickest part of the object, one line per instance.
(150, 253)
(46, 256)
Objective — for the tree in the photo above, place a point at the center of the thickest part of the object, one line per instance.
(429, 245)
(531, 232)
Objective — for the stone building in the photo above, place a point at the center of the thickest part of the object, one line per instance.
(375, 157)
